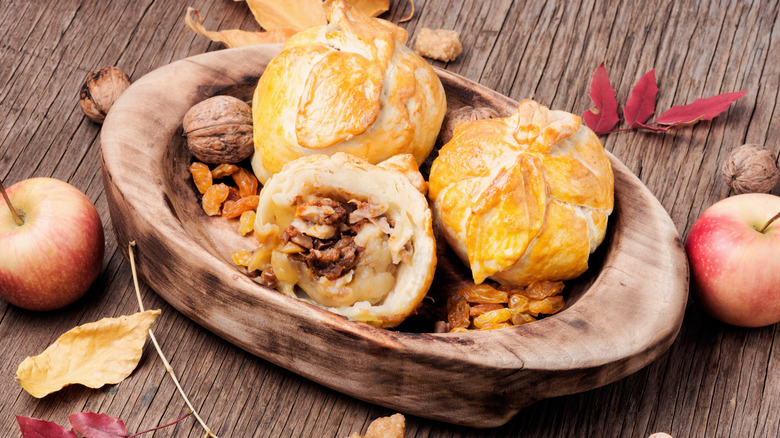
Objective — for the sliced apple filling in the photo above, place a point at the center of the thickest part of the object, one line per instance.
(339, 253)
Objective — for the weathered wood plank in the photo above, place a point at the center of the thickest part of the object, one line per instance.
(714, 381)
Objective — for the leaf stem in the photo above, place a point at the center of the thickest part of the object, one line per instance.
(163, 426)
(14, 213)
(168, 367)
(411, 14)
(769, 222)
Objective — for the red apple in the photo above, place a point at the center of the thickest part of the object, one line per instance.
(735, 263)
(52, 258)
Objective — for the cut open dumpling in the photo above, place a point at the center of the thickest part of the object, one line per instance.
(347, 235)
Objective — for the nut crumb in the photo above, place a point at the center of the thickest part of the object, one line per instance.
(440, 44)
(393, 426)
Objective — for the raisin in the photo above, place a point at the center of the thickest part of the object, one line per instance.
(542, 289)
(233, 209)
(458, 312)
(520, 318)
(519, 302)
(268, 278)
(246, 182)
(483, 294)
(224, 170)
(493, 316)
(241, 257)
(201, 175)
(214, 197)
(479, 309)
(495, 325)
(246, 223)
(233, 195)
(547, 305)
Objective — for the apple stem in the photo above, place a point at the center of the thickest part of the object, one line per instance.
(14, 213)
(769, 222)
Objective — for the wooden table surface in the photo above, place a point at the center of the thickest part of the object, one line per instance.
(715, 380)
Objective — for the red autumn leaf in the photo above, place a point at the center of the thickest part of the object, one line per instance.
(95, 425)
(700, 109)
(604, 116)
(34, 428)
(641, 103)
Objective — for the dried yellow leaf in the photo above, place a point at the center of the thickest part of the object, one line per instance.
(372, 8)
(93, 354)
(236, 37)
(295, 14)
(303, 14)
(411, 13)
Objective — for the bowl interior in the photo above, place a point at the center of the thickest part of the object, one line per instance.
(220, 236)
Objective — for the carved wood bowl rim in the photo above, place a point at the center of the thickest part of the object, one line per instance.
(627, 317)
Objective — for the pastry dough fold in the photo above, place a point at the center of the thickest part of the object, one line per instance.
(523, 198)
(349, 86)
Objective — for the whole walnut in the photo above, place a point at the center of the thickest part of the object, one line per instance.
(751, 169)
(219, 130)
(101, 89)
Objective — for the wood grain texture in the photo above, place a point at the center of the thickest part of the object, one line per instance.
(714, 381)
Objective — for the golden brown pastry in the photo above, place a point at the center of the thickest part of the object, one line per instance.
(350, 86)
(347, 235)
(523, 198)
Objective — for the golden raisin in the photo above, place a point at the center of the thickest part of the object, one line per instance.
(479, 309)
(458, 311)
(519, 317)
(201, 175)
(246, 223)
(223, 170)
(495, 325)
(214, 197)
(542, 289)
(233, 209)
(483, 294)
(494, 316)
(519, 302)
(547, 305)
(510, 289)
(241, 257)
(246, 182)
(459, 330)
(491, 308)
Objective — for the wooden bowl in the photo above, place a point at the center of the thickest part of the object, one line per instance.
(624, 312)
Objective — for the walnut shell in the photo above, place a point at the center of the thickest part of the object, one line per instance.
(219, 130)
(101, 89)
(751, 169)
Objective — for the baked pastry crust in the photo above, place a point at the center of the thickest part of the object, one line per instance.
(349, 86)
(523, 198)
(388, 219)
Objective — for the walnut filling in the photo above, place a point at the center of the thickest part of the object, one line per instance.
(341, 252)
(329, 258)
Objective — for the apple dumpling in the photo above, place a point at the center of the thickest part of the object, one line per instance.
(351, 86)
(523, 198)
(347, 235)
